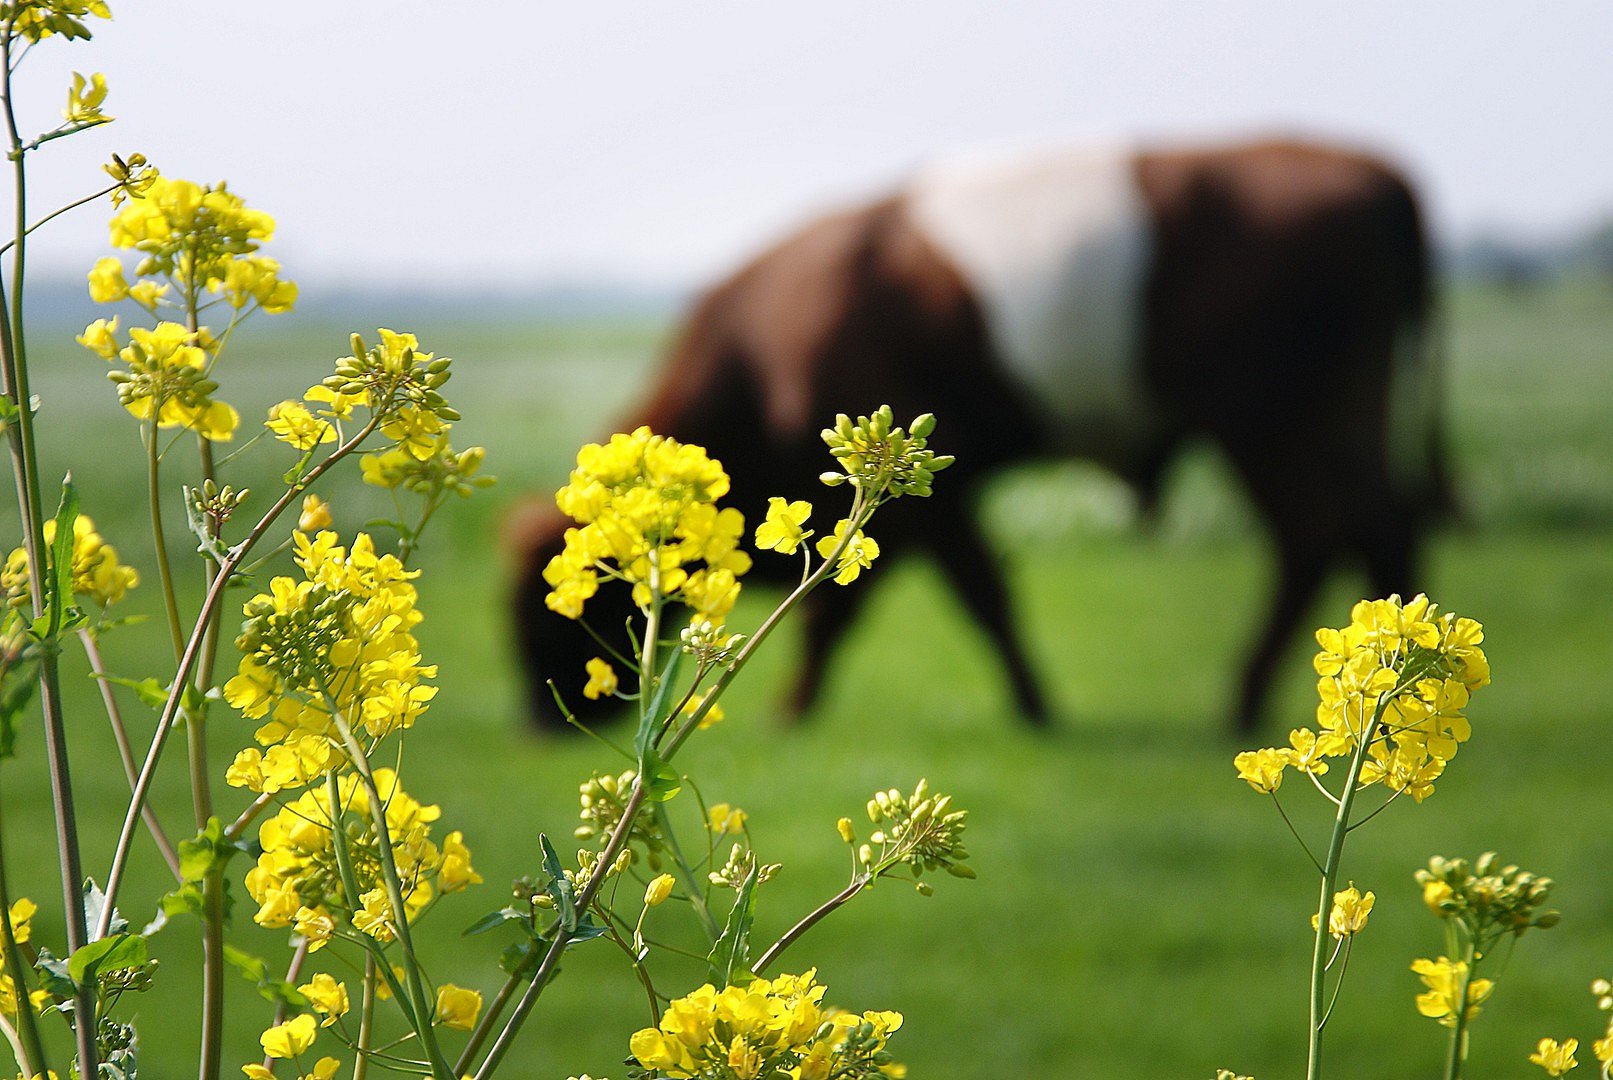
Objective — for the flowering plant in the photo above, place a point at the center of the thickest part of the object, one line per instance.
(315, 816)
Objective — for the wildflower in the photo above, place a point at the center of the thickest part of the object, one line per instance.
(1349, 914)
(107, 284)
(1488, 899)
(1556, 1058)
(725, 820)
(101, 338)
(740, 865)
(769, 1027)
(294, 425)
(880, 458)
(1444, 978)
(97, 574)
(455, 872)
(315, 514)
(84, 100)
(601, 679)
(290, 1039)
(327, 996)
(659, 888)
(401, 384)
(920, 831)
(166, 379)
(457, 1007)
(603, 798)
(1263, 769)
(647, 510)
(782, 531)
(859, 553)
(36, 21)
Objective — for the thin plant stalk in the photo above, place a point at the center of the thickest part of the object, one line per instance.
(366, 1021)
(15, 359)
(1457, 1053)
(821, 912)
(33, 1062)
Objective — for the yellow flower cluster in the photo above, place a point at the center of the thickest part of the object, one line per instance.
(297, 881)
(1399, 677)
(1444, 979)
(647, 507)
(22, 914)
(771, 1028)
(97, 574)
(165, 375)
(339, 639)
(198, 238)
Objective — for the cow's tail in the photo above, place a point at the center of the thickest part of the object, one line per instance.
(1417, 417)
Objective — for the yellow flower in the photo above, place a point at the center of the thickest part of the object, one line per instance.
(455, 872)
(601, 679)
(1263, 769)
(725, 820)
(290, 1039)
(106, 281)
(84, 101)
(294, 425)
(1444, 977)
(1435, 895)
(147, 293)
(1556, 1058)
(659, 888)
(858, 555)
(97, 574)
(1349, 914)
(327, 996)
(101, 338)
(315, 514)
(782, 531)
(457, 1007)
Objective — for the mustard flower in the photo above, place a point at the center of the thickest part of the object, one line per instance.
(37, 21)
(725, 820)
(921, 831)
(166, 378)
(1348, 916)
(97, 574)
(455, 871)
(1262, 769)
(859, 553)
(1443, 978)
(1556, 1058)
(327, 996)
(457, 1007)
(290, 1039)
(84, 100)
(293, 424)
(659, 888)
(107, 283)
(601, 679)
(101, 338)
(646, 507)
(315, 514)
(769, 1027)
(782, 530)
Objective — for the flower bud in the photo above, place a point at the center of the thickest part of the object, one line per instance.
(846, 832)
(658, 890)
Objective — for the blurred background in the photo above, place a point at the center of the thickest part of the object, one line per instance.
(537, 190)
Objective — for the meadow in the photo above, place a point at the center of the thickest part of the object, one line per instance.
(1139, 911)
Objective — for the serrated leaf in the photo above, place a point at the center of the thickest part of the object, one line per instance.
(731, 953)
(53, 974)
(112, 953)
(558, 888)
(185, 900)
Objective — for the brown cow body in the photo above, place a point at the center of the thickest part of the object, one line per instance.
(1279, 279)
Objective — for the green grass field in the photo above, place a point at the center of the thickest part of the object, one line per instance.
(1139, 912)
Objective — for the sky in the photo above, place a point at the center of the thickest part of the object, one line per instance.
(465, 144)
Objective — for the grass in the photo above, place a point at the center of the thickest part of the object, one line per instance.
(1139, 912)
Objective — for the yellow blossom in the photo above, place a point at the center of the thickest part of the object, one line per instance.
(101, 338)
(457, 1007)
(97, 574)
(782, 530)
(1263, 769)
(1444, 977)
(327, 996)
(315, 514)
(290, 1039)
(1349, 914)
(1556, 1058)
(859, 554)
(601, 679)
(294, 425)
(725, 820)
(455, 872)
(84, 100)
(659, 888)
(107, 283)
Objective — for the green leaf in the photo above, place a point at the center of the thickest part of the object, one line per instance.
(61, 570)
(665, 781)
(185, 900)
(204, 852)
(731, 953)
(149, 691)
(255, 969)
(95, 903)
(558, 888)
(494, 919)
(521, 959)
(17, 686)
(53, 974)
(655, 710)
(113, 953)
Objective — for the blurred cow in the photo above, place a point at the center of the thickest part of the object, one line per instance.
(1270, 298)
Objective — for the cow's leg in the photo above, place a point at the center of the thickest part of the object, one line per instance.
(824, 616)
(976, 572)
(1302, 565)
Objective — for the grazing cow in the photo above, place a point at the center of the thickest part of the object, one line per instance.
(1270, 298)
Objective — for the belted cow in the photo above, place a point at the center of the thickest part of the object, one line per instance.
(1271, 298)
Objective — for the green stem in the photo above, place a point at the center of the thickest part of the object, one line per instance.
(15, 360)
(816, 916)
(490, 1017)
(1457, 1053)
(159, 539)
(74, 205)
(27, 1024)
(691, 884)
(1330, 873)
(366, 1021)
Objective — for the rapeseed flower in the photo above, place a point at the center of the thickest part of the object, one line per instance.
(1556, 1058)
(601, 679)
(97, 574)
(768, 1028)
(1349, 914)
(858, 555)
(1444, 978)
(457, 1007)
(165, 376)
(782, 531)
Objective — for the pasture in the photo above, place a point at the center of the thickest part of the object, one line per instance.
(1139, 911)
